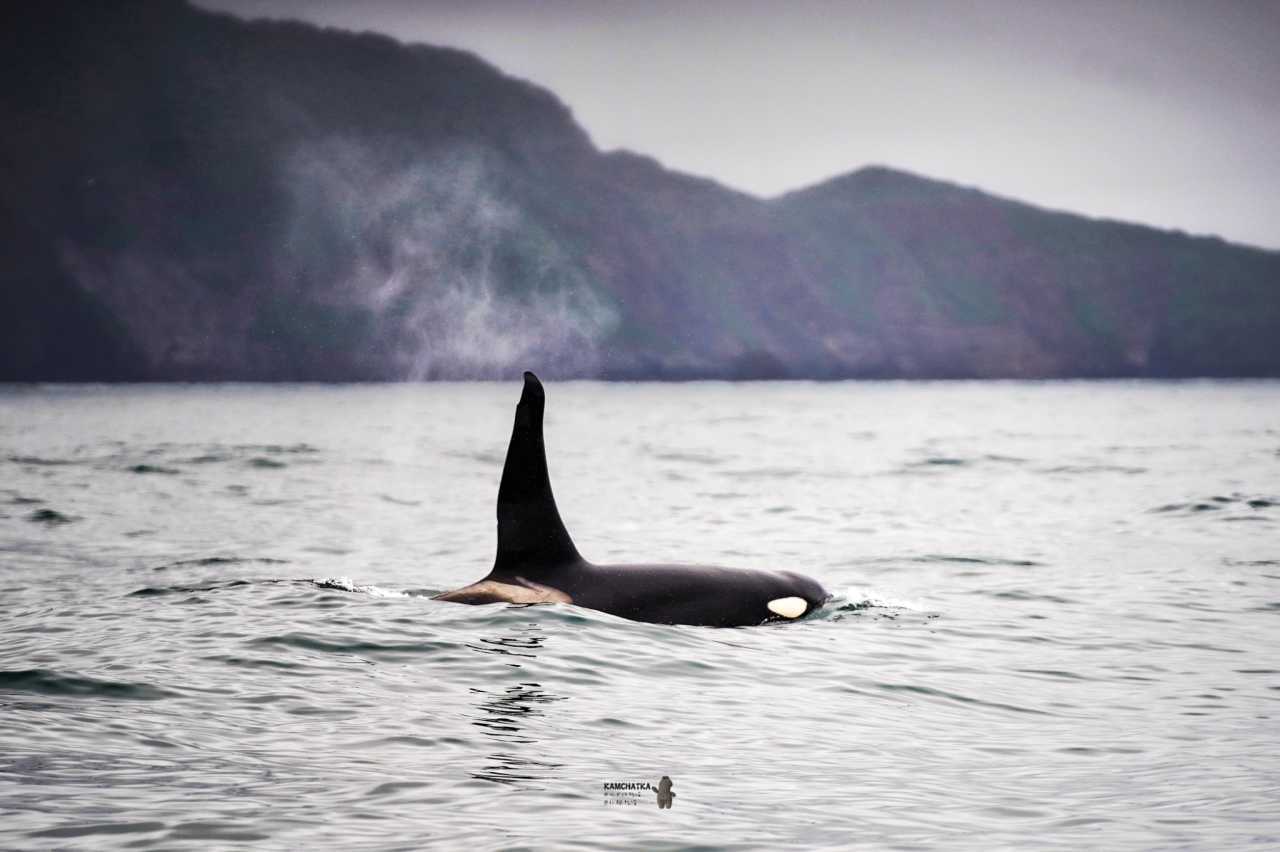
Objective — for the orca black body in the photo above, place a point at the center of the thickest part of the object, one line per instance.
(538, 563)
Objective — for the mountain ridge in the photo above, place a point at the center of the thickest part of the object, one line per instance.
(948, 184)
(191, 196)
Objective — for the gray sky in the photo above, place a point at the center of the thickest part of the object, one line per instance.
(1165, 112)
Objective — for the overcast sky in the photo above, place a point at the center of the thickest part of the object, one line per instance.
(1165, 112)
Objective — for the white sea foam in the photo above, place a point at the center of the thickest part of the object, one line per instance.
(346, 584)
(885, 598)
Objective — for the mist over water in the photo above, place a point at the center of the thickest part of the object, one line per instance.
(1054, 623)
(428, 243)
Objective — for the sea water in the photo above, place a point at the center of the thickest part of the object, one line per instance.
(1055, 619)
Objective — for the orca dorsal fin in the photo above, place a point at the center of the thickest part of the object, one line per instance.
(531, 536)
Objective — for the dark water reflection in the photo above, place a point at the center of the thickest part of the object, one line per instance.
(506, 715)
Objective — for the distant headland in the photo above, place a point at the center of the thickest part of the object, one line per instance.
(188, 196)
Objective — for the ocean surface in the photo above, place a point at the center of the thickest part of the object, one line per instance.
(1055, 622)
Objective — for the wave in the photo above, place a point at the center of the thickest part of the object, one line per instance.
(48, 682)
(206, 561)
(1238, 506)
(154, 591)
(51, 518)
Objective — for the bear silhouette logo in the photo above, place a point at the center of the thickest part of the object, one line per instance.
(664, 792)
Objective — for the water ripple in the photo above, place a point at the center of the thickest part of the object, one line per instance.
(1020, 649)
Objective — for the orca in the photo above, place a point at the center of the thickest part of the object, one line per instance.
(537, 561)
